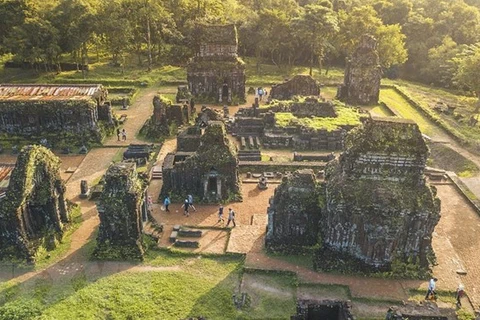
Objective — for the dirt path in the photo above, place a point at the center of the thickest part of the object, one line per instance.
(93, 166)
(360, 287)
(137, 114)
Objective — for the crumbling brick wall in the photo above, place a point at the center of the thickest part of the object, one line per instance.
(121, 207)
(34, 211)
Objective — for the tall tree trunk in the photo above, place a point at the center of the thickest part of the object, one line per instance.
(149, 42)
(84, 59)
(311, 60)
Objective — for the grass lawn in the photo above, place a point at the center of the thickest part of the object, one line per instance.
(268, 74)
(195, 286)
(445, 158)
(346, 116)
(407, 111)
(466, 106)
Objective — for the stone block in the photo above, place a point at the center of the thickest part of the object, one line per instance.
(176, 227)
(173, 236)
(186, 244)
(190, 233)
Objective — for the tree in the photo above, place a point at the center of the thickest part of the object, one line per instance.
(441, 66)
(12, 14)
(393, 11)
(468, 71)
(77, 20)
(116, 29)
(36, 41)
(364, 20)
(391, 45)
(317, 25)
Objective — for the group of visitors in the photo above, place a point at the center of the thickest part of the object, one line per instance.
(432, 295)
(231, 216)
(188, 204)
(121, 133)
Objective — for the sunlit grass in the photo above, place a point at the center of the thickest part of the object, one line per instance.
(407, 111)
(346, 116)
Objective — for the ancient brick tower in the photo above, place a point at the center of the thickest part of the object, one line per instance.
(34, 212)
(216, 73)
(361, 85)
(378, 206)
(121, 209)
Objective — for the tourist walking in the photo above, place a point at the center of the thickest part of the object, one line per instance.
(459, 294)
(124, 135)
(231, 217)
(118, 134)
(260, 93)
(166, 203)
(220, 214)
(431, 294)
(190, 202)
(185, 207)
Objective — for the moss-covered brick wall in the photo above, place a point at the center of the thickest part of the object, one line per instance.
(121, 206)
(34, 212)
(300, 85)
(27, 117)
(294, 212)
(362, 75)
(215, 156)
(378, 206)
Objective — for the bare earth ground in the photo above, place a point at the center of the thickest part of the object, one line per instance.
(245, 237)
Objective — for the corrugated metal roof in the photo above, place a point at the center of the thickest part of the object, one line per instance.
(9, 92)
(5, 171)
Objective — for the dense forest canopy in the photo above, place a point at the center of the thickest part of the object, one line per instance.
(433, 41)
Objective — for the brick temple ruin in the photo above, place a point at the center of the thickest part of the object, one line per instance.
(300, 85)
(216, 73)
(166, 118)
(210, 173)
(122, 209)
(262, 124)
(34, 211)
(375, 206)
(27, 110)
(361, 85)
(294, 212)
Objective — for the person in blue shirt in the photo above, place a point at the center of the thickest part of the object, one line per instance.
(166, 203)
(190, 202)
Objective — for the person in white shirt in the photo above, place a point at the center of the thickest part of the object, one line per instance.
(231, 217)
(431, 288)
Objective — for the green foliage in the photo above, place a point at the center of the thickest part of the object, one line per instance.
(464, 314)
(346, 117)
(410, 269)
(21, 309)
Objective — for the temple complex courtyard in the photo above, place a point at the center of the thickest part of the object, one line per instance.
(125, 257)
(454, 242)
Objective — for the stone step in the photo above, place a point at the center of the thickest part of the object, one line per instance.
(157, 172)
(186, 244)
(189, 233)
(173, 236)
